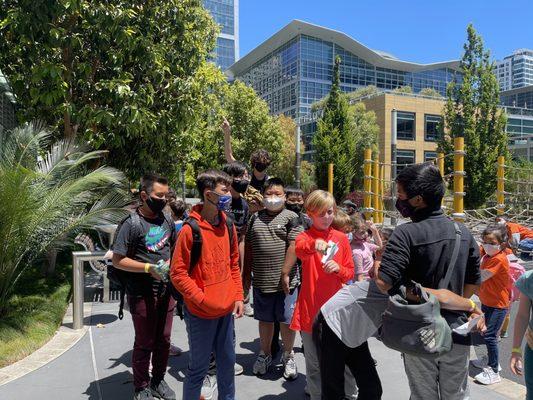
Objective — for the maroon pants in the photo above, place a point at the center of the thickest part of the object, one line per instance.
(152, 320)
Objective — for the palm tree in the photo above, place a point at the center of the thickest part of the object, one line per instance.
(48, 193)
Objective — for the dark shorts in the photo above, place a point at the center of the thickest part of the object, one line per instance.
(274, 307)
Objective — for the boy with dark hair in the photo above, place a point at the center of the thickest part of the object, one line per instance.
(209, 279)
(142, 250)
(271, 232)
(260, 159)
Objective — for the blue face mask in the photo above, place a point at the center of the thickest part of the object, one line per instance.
(178, 225)
(223, 202)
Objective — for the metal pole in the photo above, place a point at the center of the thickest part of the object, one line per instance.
(440, 165)
(183, 185)
(78, 284)
(367, 183)
(330, 178)
(458, 179)
(298, 165)
(375, 190)
(382, 193)
(394, 167)
(500, 191)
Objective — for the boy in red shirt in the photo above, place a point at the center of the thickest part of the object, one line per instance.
(320, 280)
(519, 236)
(211, 289)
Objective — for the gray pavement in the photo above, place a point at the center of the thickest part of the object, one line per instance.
(98, 367)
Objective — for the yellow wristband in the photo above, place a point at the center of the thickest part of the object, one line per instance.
(147, 268)
(472, 305)
(516, 350)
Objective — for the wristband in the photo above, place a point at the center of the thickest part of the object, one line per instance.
(472, 306)
(516, 350)
(147, 268)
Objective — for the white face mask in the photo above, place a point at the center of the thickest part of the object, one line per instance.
(491, 249)
(274, 203)
(350, 236)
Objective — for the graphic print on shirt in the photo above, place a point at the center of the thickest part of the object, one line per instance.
(156, 238)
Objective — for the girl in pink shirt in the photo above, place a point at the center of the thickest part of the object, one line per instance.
(362, 250)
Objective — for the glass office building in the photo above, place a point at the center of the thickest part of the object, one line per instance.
(226, 14)
(521, 97)
(515, 71)
(293, 69)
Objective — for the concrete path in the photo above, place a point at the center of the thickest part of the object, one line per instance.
(98, 367)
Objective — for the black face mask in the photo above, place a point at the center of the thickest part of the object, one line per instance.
(294, 207)
(155, 204)
(405, 208)
(260, 167)
(240, 185)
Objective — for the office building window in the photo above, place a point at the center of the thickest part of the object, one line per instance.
(404, 158)
(405, 125)
(430, 155)
(431, 124)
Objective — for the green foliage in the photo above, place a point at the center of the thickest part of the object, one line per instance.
(403, 89)
(48, 193)
(120, 74)
(33, 313)
(430, 92)
(343, 134)
(472, 111)
(352, 97)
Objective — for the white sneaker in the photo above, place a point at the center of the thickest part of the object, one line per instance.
(248, 310)
(483, 362)
(238, 369)
(488, 377)
(208, 387)
(175, 350)
(262, 364)
(290, 372)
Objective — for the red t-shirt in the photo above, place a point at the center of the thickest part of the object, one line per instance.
(524, 232)
(318, 286)
(494, 292)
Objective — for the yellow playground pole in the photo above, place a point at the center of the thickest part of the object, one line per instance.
(382, 193)
(375, 190)
(330, 178)
(440, 165)
(500, 190)
(458, 178)
(367, 183)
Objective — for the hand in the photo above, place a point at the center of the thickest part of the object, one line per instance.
(516, 364)
(331, 267)
(238, 310)
(285, 283)
(162, 269)
(370, 225)
(153, 271)
(321, 246)
(481, 327)
(226, 127)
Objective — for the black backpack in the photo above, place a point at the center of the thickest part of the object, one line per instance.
(196, 252)
(120, 277)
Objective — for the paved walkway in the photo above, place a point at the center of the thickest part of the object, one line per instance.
(98, 367)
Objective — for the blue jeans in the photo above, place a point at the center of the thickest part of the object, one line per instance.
(208, 336)
(526, 245)
(494, 318)
(528, 371)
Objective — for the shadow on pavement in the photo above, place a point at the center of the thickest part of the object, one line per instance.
(117, 387)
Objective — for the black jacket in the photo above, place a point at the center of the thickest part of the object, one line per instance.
(421, 250)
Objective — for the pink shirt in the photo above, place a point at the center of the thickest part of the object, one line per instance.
(363, 256)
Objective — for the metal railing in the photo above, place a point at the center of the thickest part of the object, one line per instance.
(78, 284)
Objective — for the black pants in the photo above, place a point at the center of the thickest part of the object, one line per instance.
(334, 355)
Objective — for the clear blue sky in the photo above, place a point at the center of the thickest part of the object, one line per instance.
(412, 30)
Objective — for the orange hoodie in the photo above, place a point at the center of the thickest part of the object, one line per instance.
(215, 283)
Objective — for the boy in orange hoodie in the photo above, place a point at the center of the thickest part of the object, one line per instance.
(211, 289)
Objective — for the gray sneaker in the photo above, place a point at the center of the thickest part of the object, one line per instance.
(208, 387)
(145, 394)
(290, 372)
(238, 369)
(162, 391)
(262, 364)
(248, 310)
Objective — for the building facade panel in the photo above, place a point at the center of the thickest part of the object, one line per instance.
(225, 13)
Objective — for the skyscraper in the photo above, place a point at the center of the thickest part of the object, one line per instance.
(515, 71)
(226, 14)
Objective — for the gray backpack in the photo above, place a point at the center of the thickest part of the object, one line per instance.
(418, 329)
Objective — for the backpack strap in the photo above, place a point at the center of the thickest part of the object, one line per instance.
(136, 232)
(173, 233)
(229, 225)
(446, 281)
(196, 243)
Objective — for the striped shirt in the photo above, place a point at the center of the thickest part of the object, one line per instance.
(269, 236)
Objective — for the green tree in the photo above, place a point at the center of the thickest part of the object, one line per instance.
(119, 74)
(430, 92)
(403, 89)
(472, 111)
(48, 193)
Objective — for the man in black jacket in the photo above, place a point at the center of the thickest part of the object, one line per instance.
(420, 251)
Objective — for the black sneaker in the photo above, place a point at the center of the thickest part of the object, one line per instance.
(145, 394)
(162, 391)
